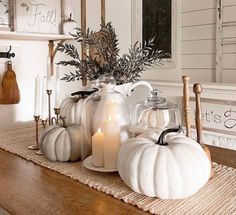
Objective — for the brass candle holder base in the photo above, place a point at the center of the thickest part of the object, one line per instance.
(57, 112)
(44, 123)
(39, 152)
(36, 145)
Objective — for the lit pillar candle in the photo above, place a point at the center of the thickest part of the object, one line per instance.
(37, 97)
(44, 100)
(97, 149)
(111, 131)
(112, 109)
(57, 90)
(49, 77)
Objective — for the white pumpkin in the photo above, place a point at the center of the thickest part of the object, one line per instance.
(174, 168)
(153, 118)
(61, 143)
(71, 108)
(87, 116)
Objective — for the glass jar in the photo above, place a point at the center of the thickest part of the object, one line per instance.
(155, 113)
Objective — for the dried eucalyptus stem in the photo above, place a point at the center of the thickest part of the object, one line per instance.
(106, 59)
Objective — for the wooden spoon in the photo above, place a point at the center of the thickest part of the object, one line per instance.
(197, 89)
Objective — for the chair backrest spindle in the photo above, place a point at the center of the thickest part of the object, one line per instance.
(197, 89)
(186, 107)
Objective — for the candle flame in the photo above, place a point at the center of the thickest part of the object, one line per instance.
(99, 130)
(109, 118)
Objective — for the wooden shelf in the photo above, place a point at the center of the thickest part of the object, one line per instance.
(9, 35)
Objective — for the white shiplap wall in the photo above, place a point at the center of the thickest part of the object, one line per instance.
(228, 34)
(198, 42)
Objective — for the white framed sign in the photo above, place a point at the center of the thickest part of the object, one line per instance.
(217, 115)
(4, 15)
(38, 16)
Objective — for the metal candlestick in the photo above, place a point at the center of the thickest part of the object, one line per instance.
(44, 123)
(49, 92)
(57, 112)
(36, 146)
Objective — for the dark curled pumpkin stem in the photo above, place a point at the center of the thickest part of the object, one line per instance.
(63, 119)
(84, 93)
(161, 140)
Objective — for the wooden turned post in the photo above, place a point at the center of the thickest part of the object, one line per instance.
(83, 27)
(197, 89)
(186, 107)
(51, 54)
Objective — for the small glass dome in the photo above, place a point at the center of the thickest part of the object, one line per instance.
(155, 113)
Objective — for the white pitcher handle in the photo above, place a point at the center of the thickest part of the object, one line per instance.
(140, 83)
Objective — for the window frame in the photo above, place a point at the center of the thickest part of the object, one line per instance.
(136, 34)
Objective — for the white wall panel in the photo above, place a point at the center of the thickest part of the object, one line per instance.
(198, 39)
(199, 32)
(229, 48)
(199, 75)
(198, 47)
(229, 61)
(229, 31)
(193, 5)
(229, 13)
(229, 76)
(203, 61)
(228, 2)
(119, 13)
(93, 14)
(199, 17)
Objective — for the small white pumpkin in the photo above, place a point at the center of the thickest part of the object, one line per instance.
(62, 143)
(71, 108)
(153, 118)
(174, 168)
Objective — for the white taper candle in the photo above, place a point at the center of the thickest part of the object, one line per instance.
(49, 77)
(57, 89)
(44, 100)
(37, 96)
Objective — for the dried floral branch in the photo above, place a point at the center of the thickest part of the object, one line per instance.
(106, 59)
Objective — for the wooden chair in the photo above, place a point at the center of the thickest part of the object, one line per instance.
(197, 89)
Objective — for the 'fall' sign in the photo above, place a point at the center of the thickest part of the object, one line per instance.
(41, 16)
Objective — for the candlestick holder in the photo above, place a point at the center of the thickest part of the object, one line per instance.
(57, 112)
(44, 123)
(49, 92)
(36, 145)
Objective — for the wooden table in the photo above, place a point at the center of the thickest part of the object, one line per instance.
(26, 188)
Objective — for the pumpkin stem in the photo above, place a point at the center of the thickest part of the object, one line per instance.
(84, 93)
(161, 140)
(63, 119)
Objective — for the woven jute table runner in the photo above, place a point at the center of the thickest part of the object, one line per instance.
(218, 196)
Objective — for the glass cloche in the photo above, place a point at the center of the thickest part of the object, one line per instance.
(155, 113)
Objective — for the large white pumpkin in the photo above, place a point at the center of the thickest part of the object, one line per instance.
(61, 143)
(173, 167)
